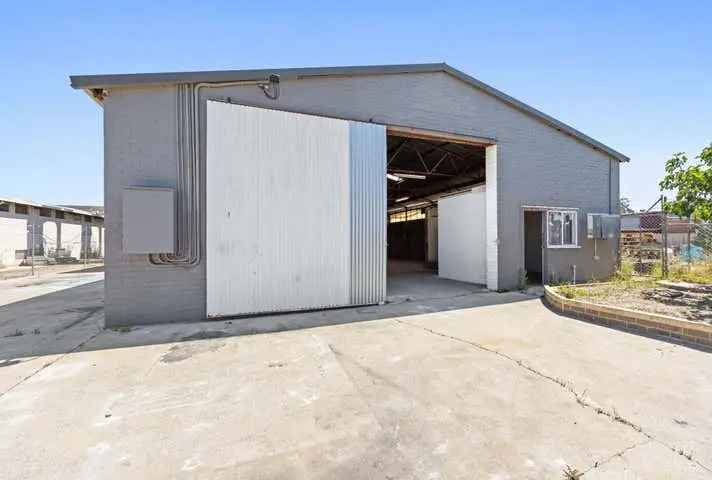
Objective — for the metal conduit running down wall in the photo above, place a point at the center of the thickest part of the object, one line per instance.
(188, 247)
(188, 188)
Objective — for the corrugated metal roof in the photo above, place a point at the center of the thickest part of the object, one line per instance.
(88, 82)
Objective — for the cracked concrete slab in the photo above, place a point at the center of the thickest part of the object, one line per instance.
(662, 387)
(640, 463)
(455, 392)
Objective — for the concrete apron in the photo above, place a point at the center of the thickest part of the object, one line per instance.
(497, 391)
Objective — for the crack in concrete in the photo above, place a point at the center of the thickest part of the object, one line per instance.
(618, 454)
(357, 386)
(580, 398)
(92, 311)
(49, 364)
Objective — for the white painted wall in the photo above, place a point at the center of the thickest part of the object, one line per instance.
(278, 224)
(72, 239)
(13, 236)
(95, 245)
(431, 226)
(49, 232)
(492, 217)
(462, 249)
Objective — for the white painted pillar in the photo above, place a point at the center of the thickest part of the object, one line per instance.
(101, 242)
(59, 235)
(86, 240)
(492, 234)
(34, 232)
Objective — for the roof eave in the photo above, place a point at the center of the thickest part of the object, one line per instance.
(523, 107)
(171, 78)
(88, 83)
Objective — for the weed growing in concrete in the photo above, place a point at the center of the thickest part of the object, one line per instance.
(121, 329)
(572, 474)
(687, 455)
(523, 280)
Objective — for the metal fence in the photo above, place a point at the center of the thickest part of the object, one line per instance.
(697, 247)
(653, 242)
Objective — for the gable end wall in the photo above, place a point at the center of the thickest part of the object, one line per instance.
(537, 165)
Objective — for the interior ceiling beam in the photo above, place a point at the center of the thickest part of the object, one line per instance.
(435, 190)
(396, 171)
(454, 165)
(420, 157)
(397, 151)
(451, 156)
(456, 155)
(434, 148)
(439, 162)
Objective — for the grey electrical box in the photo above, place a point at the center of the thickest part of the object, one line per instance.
(603, 226)
(149, 220)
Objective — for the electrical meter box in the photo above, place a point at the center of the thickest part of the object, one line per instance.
(149, 220)
(603, 226)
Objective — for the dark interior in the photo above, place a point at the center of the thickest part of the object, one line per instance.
(444, 165)
(533, 246)
(407, 240)
(420, 170)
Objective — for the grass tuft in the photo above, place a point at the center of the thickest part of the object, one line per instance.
(572, 474)
(695, 273)
(123, 329)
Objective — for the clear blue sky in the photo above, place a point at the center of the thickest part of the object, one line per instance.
(636, 77)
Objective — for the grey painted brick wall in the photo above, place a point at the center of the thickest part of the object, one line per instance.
(537, 165)
(140, 150)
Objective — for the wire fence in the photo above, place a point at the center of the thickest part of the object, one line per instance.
(654, 242)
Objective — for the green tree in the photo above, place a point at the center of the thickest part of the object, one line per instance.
(692, 183)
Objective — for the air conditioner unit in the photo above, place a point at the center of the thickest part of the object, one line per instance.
(603, 226)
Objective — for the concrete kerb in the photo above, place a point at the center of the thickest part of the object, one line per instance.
(679, 329)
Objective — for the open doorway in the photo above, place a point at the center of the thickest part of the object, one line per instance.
(421, 172)
(533, 246)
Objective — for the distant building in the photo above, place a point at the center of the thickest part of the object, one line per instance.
(93, 209)
(31, 230)
(651, 222)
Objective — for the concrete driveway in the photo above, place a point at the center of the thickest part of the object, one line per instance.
(475, 385)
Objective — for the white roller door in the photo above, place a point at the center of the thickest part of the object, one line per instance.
(462, 249)
(279, 209)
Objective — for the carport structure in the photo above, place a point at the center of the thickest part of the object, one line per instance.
(254, 191)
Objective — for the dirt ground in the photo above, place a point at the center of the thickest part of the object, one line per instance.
(648, 297)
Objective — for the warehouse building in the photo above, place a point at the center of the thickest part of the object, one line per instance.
(36, 233)
(242, 192)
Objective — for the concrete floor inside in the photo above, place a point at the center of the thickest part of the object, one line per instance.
(413, 280)
(441, 384)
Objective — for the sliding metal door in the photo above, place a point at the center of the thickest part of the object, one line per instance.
(281, 209)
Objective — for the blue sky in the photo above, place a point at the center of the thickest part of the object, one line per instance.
(637, 77)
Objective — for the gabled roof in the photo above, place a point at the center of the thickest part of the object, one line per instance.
(89, 82)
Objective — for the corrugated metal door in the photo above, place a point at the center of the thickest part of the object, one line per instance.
(280, 209)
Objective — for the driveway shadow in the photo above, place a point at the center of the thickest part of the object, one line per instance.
(73, 319)
(96, 269)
